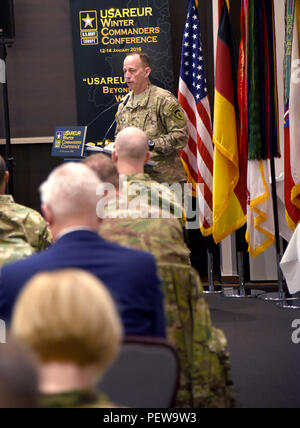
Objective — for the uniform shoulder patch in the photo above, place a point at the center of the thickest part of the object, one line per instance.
(176, 113)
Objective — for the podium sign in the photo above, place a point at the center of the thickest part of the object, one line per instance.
(69, 142)
(104, 31)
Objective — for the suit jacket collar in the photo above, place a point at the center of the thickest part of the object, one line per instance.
(77, 234)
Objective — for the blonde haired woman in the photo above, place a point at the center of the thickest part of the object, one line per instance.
(68, 319)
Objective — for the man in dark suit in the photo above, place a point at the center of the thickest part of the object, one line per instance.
(69, 201)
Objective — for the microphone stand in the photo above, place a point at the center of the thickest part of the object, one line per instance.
(102, 113)
(124, 101)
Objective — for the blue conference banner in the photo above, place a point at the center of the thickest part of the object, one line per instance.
(104, 31)
(69, 141)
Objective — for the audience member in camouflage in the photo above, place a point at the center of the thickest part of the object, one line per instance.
(163, 237)
(205, 376)
(158, 113)
(130, 155)
(153, 193)
(23, 231)
(205, 368)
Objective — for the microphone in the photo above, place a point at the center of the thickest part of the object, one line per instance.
(123, 101)
(106, 110)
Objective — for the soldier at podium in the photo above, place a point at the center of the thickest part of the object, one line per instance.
(157, 112)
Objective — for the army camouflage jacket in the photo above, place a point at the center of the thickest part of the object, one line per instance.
(76, 399)
(23, 231)
(160, 115)
(205, 379)
(154, 194)
(163, 237)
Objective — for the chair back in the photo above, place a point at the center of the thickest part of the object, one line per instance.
(145, 375)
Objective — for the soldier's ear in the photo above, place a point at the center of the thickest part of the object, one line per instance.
(147, 158)
(114, 156)
(6, 177)
(147, 72)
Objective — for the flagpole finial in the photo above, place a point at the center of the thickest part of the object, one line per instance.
(196, 3)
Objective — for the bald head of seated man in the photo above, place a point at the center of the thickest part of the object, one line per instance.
(131, 151)
(130, 155)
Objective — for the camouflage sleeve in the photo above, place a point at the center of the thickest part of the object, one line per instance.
(213, 388)
(175, 124)
(45, 238)
(118, 127)
(205, 380)
(37, 232)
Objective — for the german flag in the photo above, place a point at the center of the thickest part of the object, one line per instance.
(229, 186)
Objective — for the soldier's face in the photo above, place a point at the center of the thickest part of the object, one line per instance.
(136, 74)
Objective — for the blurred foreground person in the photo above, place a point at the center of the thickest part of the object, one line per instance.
(69, 202)
(23, 231)
(18, 377)
(69, 321)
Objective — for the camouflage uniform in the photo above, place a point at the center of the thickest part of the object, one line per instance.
(163, 237)
(23, 231)
(160, 115)
(76, 399)
(154, 194)
(205, 379)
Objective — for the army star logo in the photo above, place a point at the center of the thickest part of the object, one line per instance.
(88, 21)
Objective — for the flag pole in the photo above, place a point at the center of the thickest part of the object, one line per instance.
(211, 274)
(281, 286)
(8, 153)
(243, 271)
(282, 297)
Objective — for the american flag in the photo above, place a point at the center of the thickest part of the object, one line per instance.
(198, 155)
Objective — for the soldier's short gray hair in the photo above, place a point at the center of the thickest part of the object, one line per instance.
(71, 190)
(144, 57)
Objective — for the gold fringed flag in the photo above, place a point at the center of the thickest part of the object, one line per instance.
(229, 188)
(259, 94)
(292, 114)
